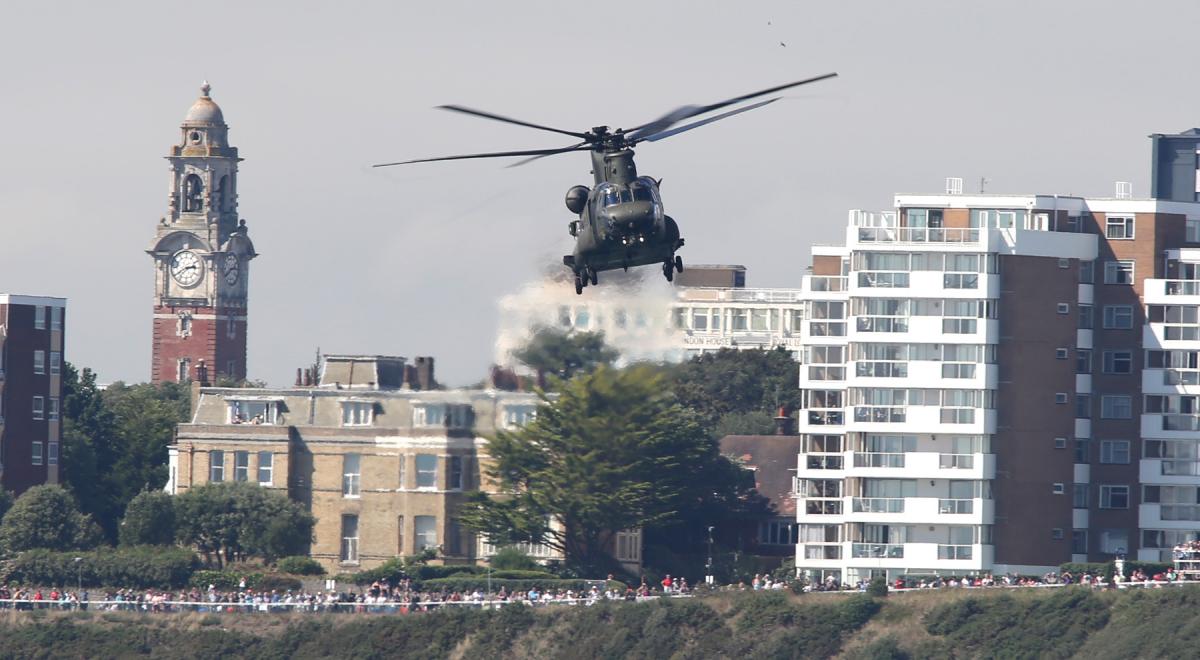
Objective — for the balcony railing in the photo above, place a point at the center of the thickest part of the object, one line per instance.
(878, 460)
(822, 372)
(763, 295)
(878, 505)
(877, 550)
(823, 551)
(824, 462)
(958, 415)
(954, 551)
(1181, 423)
(1180, 468)
(1177, 377)
(1182, 287)
(956, 506)
(823, 507)
(956, 461)
(1179, 511)
(826, 417)
(827, 283)
(879, 415)
(917, 235)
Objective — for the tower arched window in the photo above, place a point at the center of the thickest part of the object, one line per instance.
(223, 193)
(193, 192)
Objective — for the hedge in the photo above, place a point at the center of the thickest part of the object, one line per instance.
(299, 565)
(136, 567)
(231, 581)
(1108, 569)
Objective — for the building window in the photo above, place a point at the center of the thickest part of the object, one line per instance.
(1191, 231)
(1060, 398)
(1114, 451)
(56, 318)
(1118, 272)
(183, 325)
(1082, 451)
(1118, 362)
(351, 473)
(39, 407)
(1087, 272)
(1058, 489)
(518, 416)
(39, 362)
(1114, 497)
(357, 413)
(39, 318)
(1114, 541)
(253, 411)
(1079, 496)
(53, 410)
(1119, 227)
(456, 473)
(1083, 360)
(1118, 317)
(231, 328)
(1060, 353)
(1086, 322)
(1079, 541)
(435, 415)
(183, 369)
(216, 466)
(1056, 534)
(1116, 406)
(1083, 406)
(403, 483)
(629, 546)
(241, 466)
(52, 453)
(1060, 443)
(36, 453)
(425, 532)
(55, 362)
(349, 552)
(266, 468)
(1064, 308)
(427, 471)
(400, 535)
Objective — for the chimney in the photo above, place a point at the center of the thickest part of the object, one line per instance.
(202, 373)
(425, 379)
(783, 421)
(299, 376)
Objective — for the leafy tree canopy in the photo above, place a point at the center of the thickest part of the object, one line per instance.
(732, 381)
(558, 356)
(149, 520)
(47, 517)
(613, 451)
(230, 521)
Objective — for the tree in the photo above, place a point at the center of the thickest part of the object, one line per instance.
(47, 517)
(90, 446)
(145, 417)
(755, 422)
(732, 381)
(613, 451)
(149, 520)
(563, 355)
(230, 521)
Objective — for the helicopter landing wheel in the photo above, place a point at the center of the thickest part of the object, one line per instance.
(578, 284)
(594, 276)
(669, 271)
(679, 263)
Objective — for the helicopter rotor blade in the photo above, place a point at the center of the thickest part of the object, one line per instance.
(508, 120)
(688, 111)
(493, 154)
(575, 147)
(655, 137)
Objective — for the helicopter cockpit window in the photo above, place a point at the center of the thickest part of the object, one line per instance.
(641, 192)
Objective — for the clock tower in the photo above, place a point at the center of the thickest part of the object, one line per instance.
(202, 256)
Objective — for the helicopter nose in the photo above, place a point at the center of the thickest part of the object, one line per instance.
(632, 215)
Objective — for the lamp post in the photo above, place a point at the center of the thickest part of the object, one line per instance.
(78, 577)
(708, 576)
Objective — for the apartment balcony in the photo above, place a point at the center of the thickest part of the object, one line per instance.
(1170, 381)
(921, 510)
(821, 421)
(921, 465)
(923, 374)
(927, 555)
(925, 237)
(822, 376)
(922, 419)
(1169, 426)
(890, 284)
(1169, 516)
(1173, 292)
(945, 330)
(824, 287)
(1169, 471)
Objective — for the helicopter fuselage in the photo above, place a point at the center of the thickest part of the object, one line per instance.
(621, 219)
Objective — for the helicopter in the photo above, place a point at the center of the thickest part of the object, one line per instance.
(621, 219)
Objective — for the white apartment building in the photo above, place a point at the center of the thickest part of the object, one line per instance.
(971, 379)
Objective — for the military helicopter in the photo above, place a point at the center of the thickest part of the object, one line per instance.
(621, 220)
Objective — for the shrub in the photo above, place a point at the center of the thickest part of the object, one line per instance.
(277, 582)
(471, 583)
(138, 567)
(149, 520)
(510, 558)
(47, 517)
(300, 565)
(224, 580)
(878, 587)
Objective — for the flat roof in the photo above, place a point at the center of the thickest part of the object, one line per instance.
(18, 299)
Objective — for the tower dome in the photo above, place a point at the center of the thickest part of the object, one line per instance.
(205, 111)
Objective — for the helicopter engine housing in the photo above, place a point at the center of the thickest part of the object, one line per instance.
(577, 198)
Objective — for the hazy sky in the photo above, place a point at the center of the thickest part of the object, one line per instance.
(1054, 97)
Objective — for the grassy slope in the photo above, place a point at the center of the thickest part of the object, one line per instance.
(1066, 623)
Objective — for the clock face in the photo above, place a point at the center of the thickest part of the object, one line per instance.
(186, 268)
(231, 269)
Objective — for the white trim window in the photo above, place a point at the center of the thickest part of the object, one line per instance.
(457, 473)
(1114, 497)
(55, 363)
(241, 466)
(36, 453)
(427, 465)
(1115, 452)
(358, 413)
(1116, 406)
(351, 475)
(437, 415)
(1118, 362)
(424, 532)
(1118, 317)
(216, 466)
(56, 318)
(349, 552)
(266, 468)
(39, 317)
(1119, 272)
(517, 416)
(39, 407)
(1119, 227)
(39, 362)
(52, 411)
